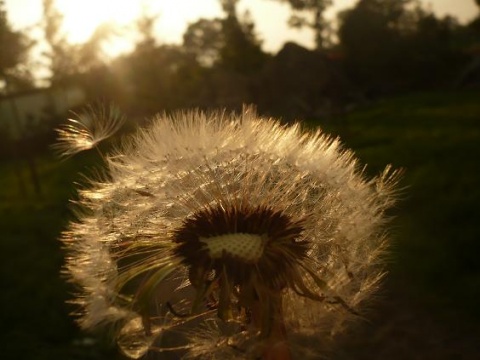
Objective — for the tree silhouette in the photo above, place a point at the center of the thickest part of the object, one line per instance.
(229, 42)
(371, 35)
(393, 45)
(310, 13)
(242, 52)
(59, 54)
(66, 60)
(204, 39)
(14, 47)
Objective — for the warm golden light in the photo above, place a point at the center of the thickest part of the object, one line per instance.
(82, 18)
(270, 17)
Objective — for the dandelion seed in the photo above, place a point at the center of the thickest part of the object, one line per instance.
(228, 236)
(91, 128)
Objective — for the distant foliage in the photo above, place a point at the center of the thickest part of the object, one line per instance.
(396, 45)
(382, 47)
(310, 13)
(68, 62)
(14, 45)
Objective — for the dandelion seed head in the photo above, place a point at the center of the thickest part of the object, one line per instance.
(234, 223)
(247, 247)
(88, 130)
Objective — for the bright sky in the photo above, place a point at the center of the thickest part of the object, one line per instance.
(270, 17)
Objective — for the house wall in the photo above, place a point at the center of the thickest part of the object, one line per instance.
(21, 112)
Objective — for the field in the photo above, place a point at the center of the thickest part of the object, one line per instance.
(428, 308)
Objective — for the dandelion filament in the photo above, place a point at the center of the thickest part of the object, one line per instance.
(233, 224)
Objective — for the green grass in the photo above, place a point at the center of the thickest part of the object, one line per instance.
(435, 137)
(34, 317)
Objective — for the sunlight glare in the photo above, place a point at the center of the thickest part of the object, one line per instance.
(82, 18)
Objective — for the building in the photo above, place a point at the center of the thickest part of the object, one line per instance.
(22, 112)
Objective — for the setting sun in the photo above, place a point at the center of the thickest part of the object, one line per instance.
(82, 18)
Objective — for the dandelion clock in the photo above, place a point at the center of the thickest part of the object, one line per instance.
(219, 236)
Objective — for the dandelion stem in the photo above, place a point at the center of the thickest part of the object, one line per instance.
(276, 343)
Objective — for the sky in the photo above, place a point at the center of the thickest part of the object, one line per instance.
(270, 17)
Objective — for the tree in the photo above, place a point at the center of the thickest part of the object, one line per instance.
(372, 37)
(60, 52)
(157, 78)
(66, 60)
(310, 13)
(229, 7)
(475, 24)
(15, 47)
(242, 51)
(204, 39)
(14, 50)
(392, 45)
(229, 42)
(145, 29)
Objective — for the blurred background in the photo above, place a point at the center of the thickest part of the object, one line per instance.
(397, 80)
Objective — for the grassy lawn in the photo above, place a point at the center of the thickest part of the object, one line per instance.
(34, 318)
(435, 138)
(435, 271)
